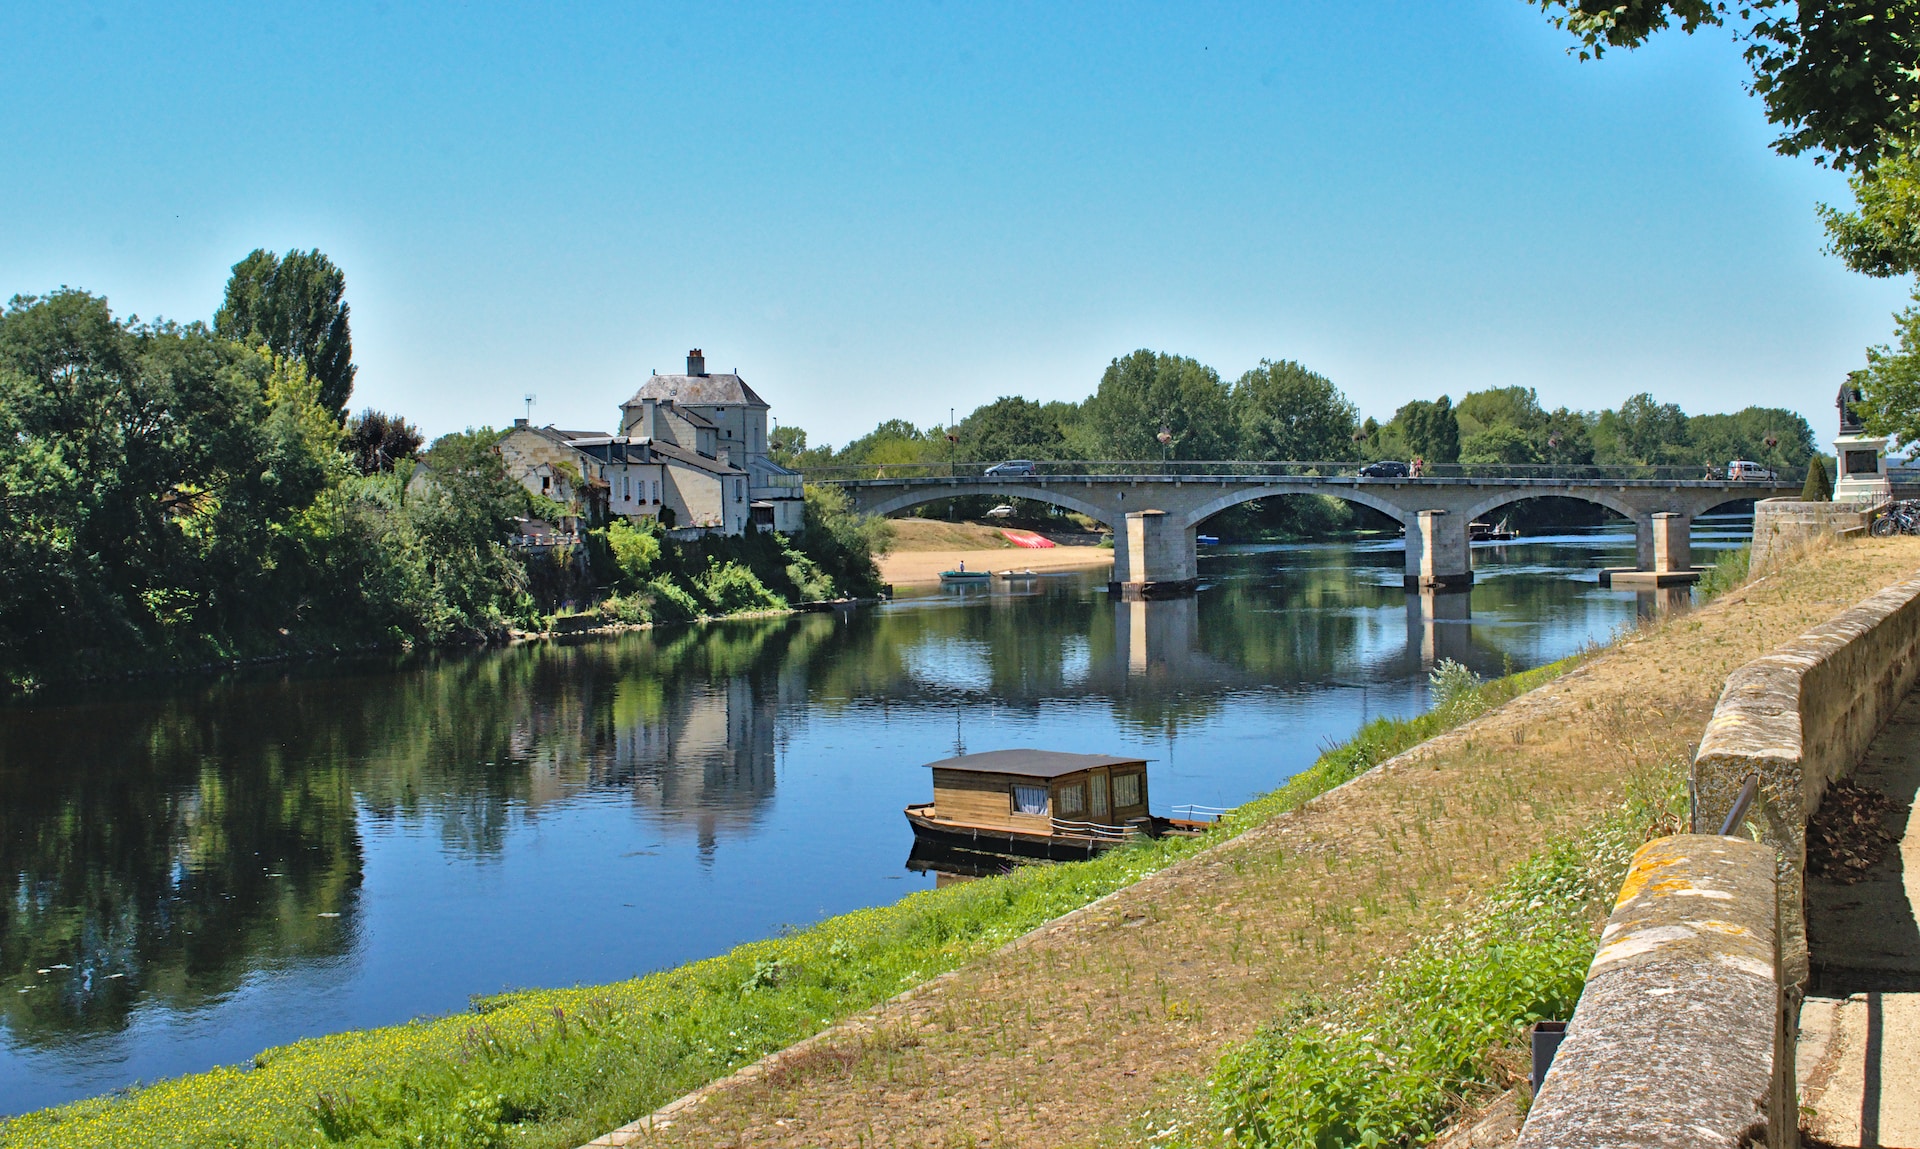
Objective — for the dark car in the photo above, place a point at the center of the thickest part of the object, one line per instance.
(1010, 468)
(1386, 469)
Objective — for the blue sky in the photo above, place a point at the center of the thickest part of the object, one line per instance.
(889, 210)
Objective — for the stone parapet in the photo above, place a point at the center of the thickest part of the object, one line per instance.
(1782, 527)
(1801, 717)
(1683, 1033)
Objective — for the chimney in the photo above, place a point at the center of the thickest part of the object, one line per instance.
(696, 362)
(520, 422)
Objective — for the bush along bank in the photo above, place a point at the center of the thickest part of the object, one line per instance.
(653, 579)
(1391, 1061)
(558, 1067)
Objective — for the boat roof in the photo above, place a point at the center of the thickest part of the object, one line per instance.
(1031, 763)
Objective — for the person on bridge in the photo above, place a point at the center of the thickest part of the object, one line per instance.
(1418, 466)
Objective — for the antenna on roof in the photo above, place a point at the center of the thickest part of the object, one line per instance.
(530, 397)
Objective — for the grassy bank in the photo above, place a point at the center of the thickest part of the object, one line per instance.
(1391, 1060)
(556, 1067)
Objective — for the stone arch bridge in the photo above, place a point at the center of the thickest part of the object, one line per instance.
(1155, 516)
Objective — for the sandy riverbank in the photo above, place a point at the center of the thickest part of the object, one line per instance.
(920, 568)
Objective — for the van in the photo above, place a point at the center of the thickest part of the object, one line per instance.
(1743, 469)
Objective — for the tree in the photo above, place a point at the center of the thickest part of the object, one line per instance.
(377, 441)
(1148, 390)
(1890, 384)
(1516, 407)
(1499, 444)
(1840, 77)
(1774, 436)
(1818, 488)
(296, 305)
(1011, 428)
(1645, 431)
(1566, 439)
(1283, 411)
(1881, 236)
(1431, 430)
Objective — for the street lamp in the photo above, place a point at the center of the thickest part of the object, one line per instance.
(1166, 440)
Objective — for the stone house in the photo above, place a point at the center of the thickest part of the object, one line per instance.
(690, 453)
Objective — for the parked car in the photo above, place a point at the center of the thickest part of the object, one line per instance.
(1003, 511)
(1011, 468)
(1742, 469)
(1386, 469)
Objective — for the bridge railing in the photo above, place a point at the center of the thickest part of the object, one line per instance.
(1243, 469)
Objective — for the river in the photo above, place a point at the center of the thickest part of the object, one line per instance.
(201, 868)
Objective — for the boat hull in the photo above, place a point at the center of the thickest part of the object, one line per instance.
(1010, 843)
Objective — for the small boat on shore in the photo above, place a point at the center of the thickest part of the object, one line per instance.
(1488, 532)
(1011, 575)
(1039, 804)
(1207, 540)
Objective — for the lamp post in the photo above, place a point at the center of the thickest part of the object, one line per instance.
(1166, 440)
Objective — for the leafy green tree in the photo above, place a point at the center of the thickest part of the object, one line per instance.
(378, 441)
(1774, 436)
(843, 541)
(1431, 430)
(1502, 443)
(1643, 431)
(1283, 411)
(1011, 428)
(1840, 78)
(1890, 384)
(1881, 236)
(1516, 407)
(1148, 390)
(296, 305)
(1818, 487)
(895, 442)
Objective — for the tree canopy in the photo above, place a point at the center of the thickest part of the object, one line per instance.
(1283, 411)
(296, 305)
(1148, 391)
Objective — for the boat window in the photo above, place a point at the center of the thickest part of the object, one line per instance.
(1073, 800)
(1126, 790)
(1030, 800)
(1097, 791)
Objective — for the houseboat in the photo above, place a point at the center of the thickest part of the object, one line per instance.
(1039, 804)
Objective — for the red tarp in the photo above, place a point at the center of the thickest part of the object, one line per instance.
(1026, 539)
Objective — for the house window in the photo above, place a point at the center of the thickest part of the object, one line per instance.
(1030, 800)
(1097, 791)
(1126, 790)
(545, 484)
(1073, 800)
(656, 490)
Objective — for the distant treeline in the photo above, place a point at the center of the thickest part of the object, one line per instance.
(1282, 411)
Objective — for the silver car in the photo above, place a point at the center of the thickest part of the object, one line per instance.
(1010, 469)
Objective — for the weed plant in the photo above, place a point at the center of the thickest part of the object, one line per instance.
(558, 1067)
(1728, 571)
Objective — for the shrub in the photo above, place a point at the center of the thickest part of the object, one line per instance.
(1729, 570)
(634, 548)
(667, 602)
(730, 588)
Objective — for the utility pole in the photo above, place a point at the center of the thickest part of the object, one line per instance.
(530, 397)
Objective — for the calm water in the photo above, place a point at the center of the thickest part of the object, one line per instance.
(202, 869)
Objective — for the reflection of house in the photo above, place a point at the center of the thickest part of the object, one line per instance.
(691, 452)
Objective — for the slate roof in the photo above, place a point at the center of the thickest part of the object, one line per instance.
(1031, 763)
(713, 390)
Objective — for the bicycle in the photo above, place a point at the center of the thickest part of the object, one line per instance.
(1901, 518)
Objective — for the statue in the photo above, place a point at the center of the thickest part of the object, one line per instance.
(1850, 423)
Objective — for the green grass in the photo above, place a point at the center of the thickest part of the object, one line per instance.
(1729, 570)
(1389, 1063)
(558, 1067)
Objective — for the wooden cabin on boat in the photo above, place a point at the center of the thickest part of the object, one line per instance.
(1040, 803)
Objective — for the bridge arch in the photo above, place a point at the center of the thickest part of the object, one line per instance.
(1054, 496)
(1593, 495)
(1348, 493)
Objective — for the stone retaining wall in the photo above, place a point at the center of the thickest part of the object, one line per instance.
(1781, 527)
(1801, 717)
(1683, 1035)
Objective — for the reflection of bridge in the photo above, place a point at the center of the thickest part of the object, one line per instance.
(1155, 512)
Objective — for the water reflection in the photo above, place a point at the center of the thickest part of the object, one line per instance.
(203, 870)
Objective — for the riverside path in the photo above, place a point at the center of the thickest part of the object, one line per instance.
(1155, 508)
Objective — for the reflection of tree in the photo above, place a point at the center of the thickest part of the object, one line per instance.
(161, 855)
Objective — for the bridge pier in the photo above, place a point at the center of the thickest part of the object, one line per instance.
(1663, 553)
(1159, 556)
(1438, 557)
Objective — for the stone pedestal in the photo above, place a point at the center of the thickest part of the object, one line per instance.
(1672, 542)
(1438, 557)
(1863, 469)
